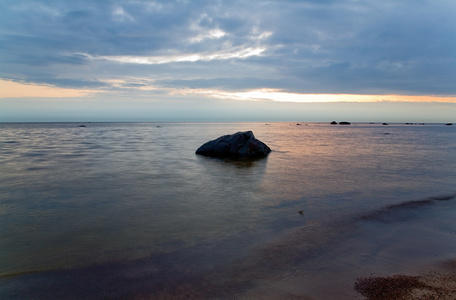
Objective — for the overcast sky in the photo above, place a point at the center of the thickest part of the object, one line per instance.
(310, 60)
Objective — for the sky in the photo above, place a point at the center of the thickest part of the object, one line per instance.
(216, 60)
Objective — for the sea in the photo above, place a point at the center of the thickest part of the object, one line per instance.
(129, 211)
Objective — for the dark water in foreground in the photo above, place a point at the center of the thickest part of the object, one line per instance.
(128, 211)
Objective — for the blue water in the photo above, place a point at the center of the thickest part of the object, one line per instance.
(127, 210)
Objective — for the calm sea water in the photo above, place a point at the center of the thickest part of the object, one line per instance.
(128, 211)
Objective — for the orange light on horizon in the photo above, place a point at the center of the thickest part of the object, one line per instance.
(12, 89)
(280, 96)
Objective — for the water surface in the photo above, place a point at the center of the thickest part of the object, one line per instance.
(127, 210)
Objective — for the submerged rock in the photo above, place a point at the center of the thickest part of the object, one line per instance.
(344, 123)
(238, 145)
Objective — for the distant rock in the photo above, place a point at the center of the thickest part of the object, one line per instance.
(385, 124)
(333, 123)
(238, 145)
(344, 123)
(449, 124)
(82, 126)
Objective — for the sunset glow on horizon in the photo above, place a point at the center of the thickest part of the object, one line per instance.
(10, 89)
(279, 96)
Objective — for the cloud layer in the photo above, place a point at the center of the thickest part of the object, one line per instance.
(304, 47)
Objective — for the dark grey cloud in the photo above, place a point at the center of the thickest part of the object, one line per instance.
(310, 46)
(225, 83)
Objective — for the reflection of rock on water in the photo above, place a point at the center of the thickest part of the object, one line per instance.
(227, 177)
(236, 162)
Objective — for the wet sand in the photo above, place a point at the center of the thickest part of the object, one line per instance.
(146, 280)
(439, 284)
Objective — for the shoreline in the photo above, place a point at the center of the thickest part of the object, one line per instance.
(439, 283)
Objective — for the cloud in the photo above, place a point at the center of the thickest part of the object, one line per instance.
(298, 47)
(121, 16)
(151, 60)
(211, 34)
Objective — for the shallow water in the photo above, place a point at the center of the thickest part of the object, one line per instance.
(127, 210)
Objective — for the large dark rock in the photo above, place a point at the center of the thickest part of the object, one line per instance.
(238, 145)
